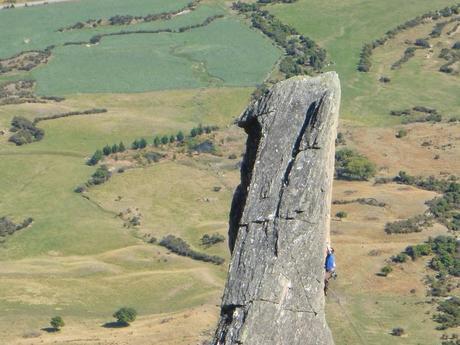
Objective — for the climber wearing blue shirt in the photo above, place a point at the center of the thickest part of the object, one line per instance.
(329, 266)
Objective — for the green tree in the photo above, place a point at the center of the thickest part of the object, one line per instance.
(172, 139)
(142, 143)
(115, 148)
(135, 145)
(107, 150)
(341, 214)
(386, 270)
(57, 323)
(121, 147)
(164, 139)
(125, 315)
(156, 141)
(180, 136)
(200, 129)
(353, 166)
(194, 132)
(95, 158)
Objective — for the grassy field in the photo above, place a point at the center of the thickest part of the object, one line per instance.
(44, 21)
(224, 53)
(343, 27)
(77, 259)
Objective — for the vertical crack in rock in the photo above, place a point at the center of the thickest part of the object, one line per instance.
(280, 215)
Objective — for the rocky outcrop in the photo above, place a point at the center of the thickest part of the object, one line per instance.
(279, 221)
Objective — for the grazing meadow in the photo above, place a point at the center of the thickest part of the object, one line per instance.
(81, 260)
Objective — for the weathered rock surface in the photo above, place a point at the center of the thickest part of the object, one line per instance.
(279, 221)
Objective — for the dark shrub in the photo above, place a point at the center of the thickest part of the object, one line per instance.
(341, 214)
(400, 258)
(180, 247)
(449, 313)
(25, 131)
(125, 315)
(57, 323)
(397, 332)
(421, 42)
(95, 158)
(386, 270)
(101, 175)
(209, 240)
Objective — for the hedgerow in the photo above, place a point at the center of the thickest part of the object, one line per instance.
(180, 247)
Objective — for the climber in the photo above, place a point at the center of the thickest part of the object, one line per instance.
(329, 267)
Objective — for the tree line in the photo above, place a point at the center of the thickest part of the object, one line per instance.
(303, 55)
(365, 63)
(180, 247)
(157, 141)
(8, 227)
(445, 261)
(444, 209)
(126, 19)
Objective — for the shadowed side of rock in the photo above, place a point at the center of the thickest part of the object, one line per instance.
(279, 221)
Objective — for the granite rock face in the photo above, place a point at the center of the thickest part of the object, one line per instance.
(279, 220)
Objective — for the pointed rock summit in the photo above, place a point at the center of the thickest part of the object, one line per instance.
(280, 215)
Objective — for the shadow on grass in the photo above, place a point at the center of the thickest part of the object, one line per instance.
(50, 330)
(115, 324)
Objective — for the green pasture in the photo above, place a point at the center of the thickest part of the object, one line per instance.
(129, 116)
(77, 259)
(40, 23)
(342, 27)
(223, 53)
(186, 207)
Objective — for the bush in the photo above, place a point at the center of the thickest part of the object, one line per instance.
(418, 250)
(125, 315)
(57, 323)
(164, 139)
(95, 158)
(400, 258)
(80, 189)
(386, 270)
(414, 224)
(101, 175)
(408, 54)
(341, 214)
(340, 140)
(107, 150)
(401, 133)
(421, 42)
(206, 146)
(25, 132)
(449, 316)
(350, 165)
(397, 332)
(8, 227)
(156, 141)
(180, 247)
(209, 240)
(121, 147)
(142, 143)
(180, 136)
